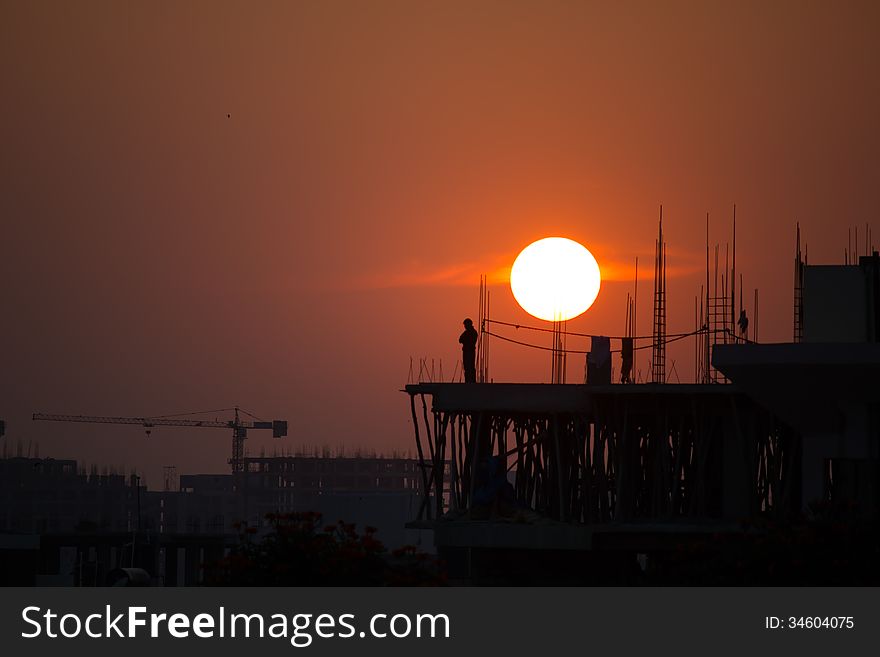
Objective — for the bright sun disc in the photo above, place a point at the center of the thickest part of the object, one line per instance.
(555, 279)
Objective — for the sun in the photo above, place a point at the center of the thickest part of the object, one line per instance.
(555, 279)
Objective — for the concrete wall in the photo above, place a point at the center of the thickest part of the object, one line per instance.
(835, 304)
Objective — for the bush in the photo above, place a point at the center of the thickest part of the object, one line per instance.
(300, 551)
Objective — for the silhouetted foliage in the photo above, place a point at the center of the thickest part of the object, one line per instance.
(300, 551)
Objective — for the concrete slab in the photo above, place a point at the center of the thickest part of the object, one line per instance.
(805, 384)
(545, 397)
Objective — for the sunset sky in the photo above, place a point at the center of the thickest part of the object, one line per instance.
(277, 205)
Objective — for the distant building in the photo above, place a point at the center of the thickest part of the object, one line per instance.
(368, 491)
(204, 504)
(40, 496)
(371, 491)
(61, 526)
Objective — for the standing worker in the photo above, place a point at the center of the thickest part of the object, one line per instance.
(468, 341)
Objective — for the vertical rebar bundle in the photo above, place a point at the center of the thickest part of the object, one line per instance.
(557, 354)
(483, 341)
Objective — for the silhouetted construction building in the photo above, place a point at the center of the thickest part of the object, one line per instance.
(826, 386)
(559, 470)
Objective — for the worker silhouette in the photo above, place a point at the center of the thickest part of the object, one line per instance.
(468, 340)
(743, 323)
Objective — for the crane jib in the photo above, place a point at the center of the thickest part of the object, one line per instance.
(239, 428)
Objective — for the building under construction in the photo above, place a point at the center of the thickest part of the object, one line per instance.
(60, 525)
(600, 473)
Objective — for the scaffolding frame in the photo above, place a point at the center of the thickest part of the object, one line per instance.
(658, 348)
(692, 451)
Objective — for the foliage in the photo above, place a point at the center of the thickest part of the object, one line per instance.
(300, 551)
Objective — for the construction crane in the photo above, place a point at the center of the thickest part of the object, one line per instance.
(239, 427)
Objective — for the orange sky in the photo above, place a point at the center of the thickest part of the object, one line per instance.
(278, 204)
